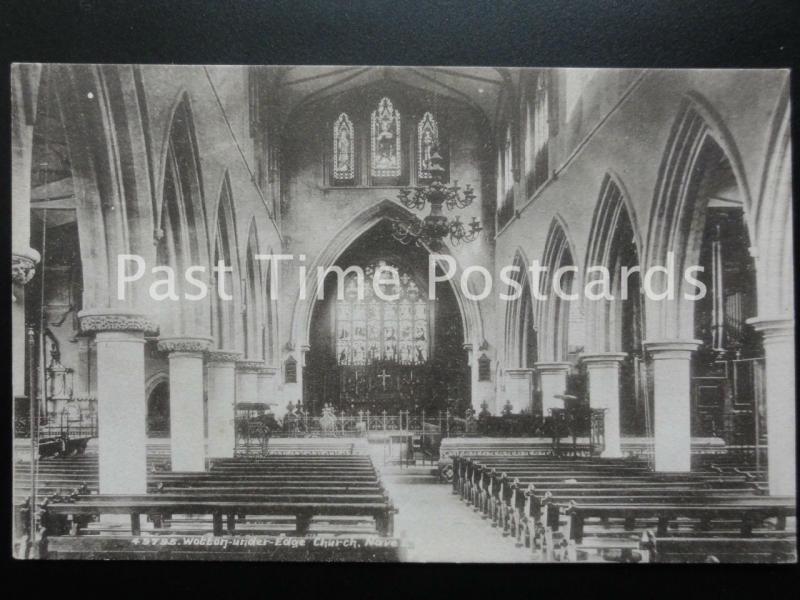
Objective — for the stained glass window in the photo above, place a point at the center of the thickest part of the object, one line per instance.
(427, 141)
(385, 140)
(343, 149)
(371, 328)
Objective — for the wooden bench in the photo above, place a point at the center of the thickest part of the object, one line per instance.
(340, 493)
(60, 517)
(668, 549)
(527, 497)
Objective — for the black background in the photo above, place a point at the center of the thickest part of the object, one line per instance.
(590, 33)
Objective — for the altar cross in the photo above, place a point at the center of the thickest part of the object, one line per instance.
(383, 377)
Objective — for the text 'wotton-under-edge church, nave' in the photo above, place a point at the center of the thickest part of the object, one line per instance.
(380, 168)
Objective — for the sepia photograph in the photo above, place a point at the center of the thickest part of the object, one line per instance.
(402, 314)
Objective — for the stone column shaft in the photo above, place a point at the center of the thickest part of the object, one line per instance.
(121, 403)
(603, 373)
(672, 393)
(221, 401)
(187, 435)
(781, 399)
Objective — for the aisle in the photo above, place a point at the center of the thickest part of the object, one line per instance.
(442, 528)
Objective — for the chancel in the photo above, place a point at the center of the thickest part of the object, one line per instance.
(448, 389)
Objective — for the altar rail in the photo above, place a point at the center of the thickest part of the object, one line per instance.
(442, 423)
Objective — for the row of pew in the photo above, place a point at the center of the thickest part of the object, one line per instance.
(592, 509)
(312, 507)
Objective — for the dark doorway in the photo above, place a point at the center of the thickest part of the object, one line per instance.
(158, 411)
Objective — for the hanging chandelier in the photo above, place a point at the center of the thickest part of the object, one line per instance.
(434, 228)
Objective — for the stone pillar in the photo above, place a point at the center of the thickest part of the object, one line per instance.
(23, 268)
(186, 419)
(672, 399)
(781, 397)
(519, 388)
(247, 380)
(24, 97)
(121, 403)
(553, 378)
(603, 373)
(221, 381)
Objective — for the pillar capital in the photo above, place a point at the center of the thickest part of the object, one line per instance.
(249, 366)
(671, 349)
(219, 355)
(773, 328)
(267, 370)
(99, 320)
(603, 359)
(552, 367)
(23, 265)
(184, 345)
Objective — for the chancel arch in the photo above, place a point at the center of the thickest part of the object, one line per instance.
(381, 211)
(396, 350)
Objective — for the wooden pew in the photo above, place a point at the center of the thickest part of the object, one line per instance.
(710, 516)
(525, 496)
(340, 490)
(61, 517)
(512, 505)
(768, 549)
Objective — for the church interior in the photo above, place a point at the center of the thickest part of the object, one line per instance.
(284, 416)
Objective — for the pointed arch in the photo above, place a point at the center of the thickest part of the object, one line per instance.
(367, 219)
(182, 227)
(698, 139)
(614, 243)
(552, 313)
(773, 221)
(521, 343)
(226, 328)
(252, 315)
(270, 317)
(110, 174)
